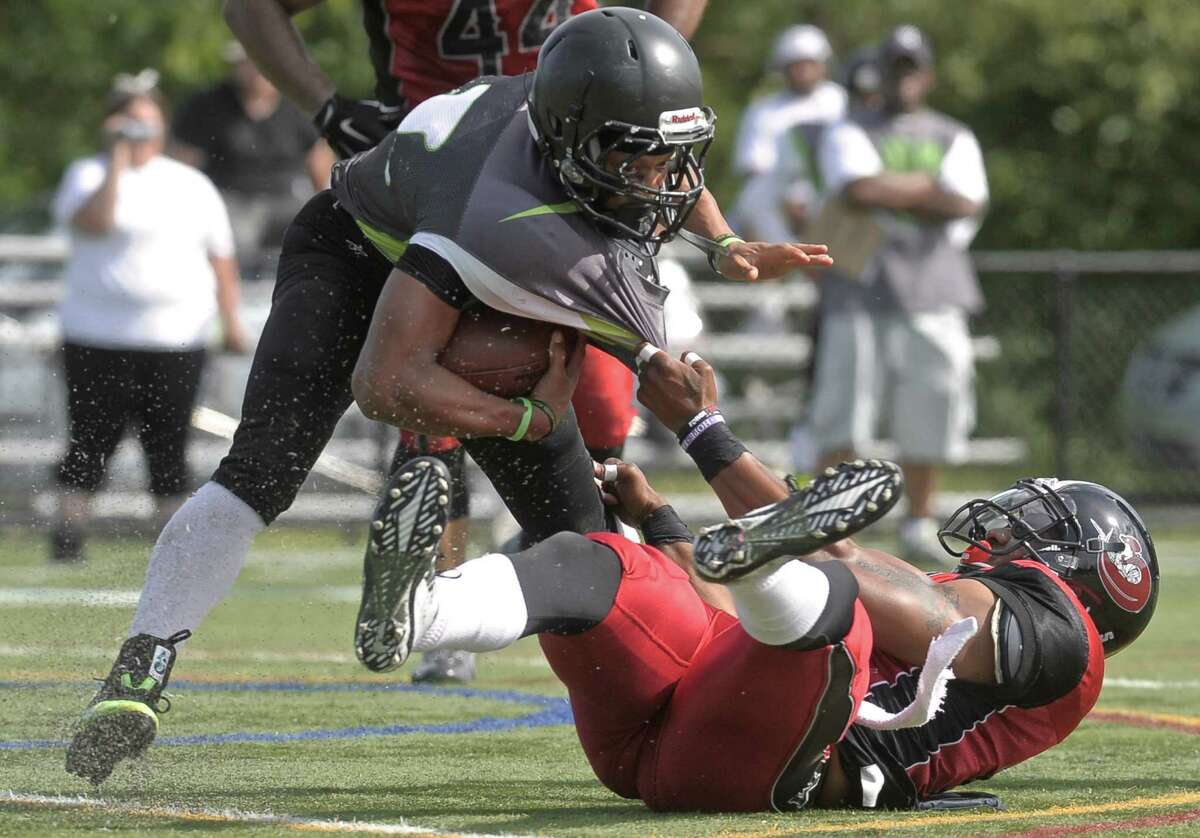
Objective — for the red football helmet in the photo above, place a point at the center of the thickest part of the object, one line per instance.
(1086, 533)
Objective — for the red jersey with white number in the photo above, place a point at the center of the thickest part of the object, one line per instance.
(422, 48)
(1050, 670)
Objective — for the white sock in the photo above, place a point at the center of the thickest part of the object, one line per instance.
(777, 605)
(477, 607)
(197, 557)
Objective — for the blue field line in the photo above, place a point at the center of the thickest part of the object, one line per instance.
(552, 711)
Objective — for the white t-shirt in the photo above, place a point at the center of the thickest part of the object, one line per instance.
(847, 154)
(767, 156)
(147, 283)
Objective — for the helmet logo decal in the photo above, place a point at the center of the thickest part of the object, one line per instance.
(1125, 574)
(682, 124)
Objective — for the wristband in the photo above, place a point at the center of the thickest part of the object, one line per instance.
(526, 419)
(663, 526)
(723, 244)
(549, 413)
(710, 443)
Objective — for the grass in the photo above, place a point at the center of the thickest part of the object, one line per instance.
(289, 619)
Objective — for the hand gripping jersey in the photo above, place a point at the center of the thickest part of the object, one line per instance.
(1049, 670)
(423, 48)
(463, 178)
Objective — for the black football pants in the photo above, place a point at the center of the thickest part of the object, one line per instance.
(329, 279)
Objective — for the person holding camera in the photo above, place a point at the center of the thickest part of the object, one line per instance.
(151, 264)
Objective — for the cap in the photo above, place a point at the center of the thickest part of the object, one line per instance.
(804, 42)
(906, 42)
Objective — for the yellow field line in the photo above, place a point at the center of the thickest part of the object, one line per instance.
(919, 821)
(1170, 718)
(231, 816)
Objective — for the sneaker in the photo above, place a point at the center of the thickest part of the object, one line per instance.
(836, 504)
(398, 568)
(919, 543)
(444, 666)
(122, 719)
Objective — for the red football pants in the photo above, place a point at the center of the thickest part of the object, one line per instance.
(676, 705)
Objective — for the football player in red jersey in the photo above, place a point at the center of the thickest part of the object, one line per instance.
(420, 49)
(831, 686)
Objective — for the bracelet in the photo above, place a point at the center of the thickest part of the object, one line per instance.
(549, 413)
(723, 243)
(663, 526)
(526, 419)
(710, 443)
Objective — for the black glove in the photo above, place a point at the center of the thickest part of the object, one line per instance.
(350, 127)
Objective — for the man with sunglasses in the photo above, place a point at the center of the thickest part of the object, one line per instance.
(544, 196)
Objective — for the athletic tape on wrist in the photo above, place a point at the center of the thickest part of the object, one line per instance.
(664, 526)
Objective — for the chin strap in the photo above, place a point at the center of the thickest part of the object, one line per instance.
(931, 685)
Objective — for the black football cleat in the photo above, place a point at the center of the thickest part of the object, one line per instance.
(122, 719)
(399, 565)
(834, 505)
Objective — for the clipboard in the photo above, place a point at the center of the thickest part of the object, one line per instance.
(852, 234)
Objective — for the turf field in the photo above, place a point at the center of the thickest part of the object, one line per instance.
(275, 728)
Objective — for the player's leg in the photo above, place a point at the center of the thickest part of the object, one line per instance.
(484, 604)
(97, 412)
(443, 665)
(298, 388)
(603, 403)
(170, 382)
(547, 485)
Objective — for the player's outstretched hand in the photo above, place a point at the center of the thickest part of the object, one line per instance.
(350, 127)
(675, 391)
(557, 384)
(626, 489)
(758, 261)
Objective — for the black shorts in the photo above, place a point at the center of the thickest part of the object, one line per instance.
(111, 389)
(329, 279)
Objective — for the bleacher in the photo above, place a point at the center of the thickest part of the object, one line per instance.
(761, 369)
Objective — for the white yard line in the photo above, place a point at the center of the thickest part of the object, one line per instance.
(1148, 684)
(231, 816)
(104, 598)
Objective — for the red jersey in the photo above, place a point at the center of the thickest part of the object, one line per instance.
(422, 48)
(1050, 667)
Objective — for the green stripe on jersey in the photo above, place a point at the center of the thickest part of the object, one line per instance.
(391, 247)
(565, 208)
(610, 332)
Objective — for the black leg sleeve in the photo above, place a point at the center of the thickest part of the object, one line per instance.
(569, 582)
(547, 485)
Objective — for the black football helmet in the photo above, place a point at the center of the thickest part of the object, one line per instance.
(1086, 533)
(622, 80)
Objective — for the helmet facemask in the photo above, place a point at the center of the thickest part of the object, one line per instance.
(618, 196)
(1038, 519)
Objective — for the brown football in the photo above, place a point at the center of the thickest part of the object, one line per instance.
(500, 353)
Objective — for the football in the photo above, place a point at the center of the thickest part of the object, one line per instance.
(500, 353)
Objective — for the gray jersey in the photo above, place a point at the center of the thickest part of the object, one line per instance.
(463, 178)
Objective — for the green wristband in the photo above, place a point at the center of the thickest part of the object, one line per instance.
(722, 243)
(523, 426)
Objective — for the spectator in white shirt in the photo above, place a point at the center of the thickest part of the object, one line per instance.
(777, 138)
(151, 266)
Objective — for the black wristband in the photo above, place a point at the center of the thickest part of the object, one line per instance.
(710, 443)
(663, 526)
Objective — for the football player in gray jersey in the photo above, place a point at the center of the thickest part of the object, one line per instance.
(544, 195)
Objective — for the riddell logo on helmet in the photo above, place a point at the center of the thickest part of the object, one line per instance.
(684, 122)
(1126, 576)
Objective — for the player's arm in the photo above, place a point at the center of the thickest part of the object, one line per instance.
(684, 15)
(677, 393)
(908, 609)
(624, 488)
(265, 29)
(750, 261)
(398, 380)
